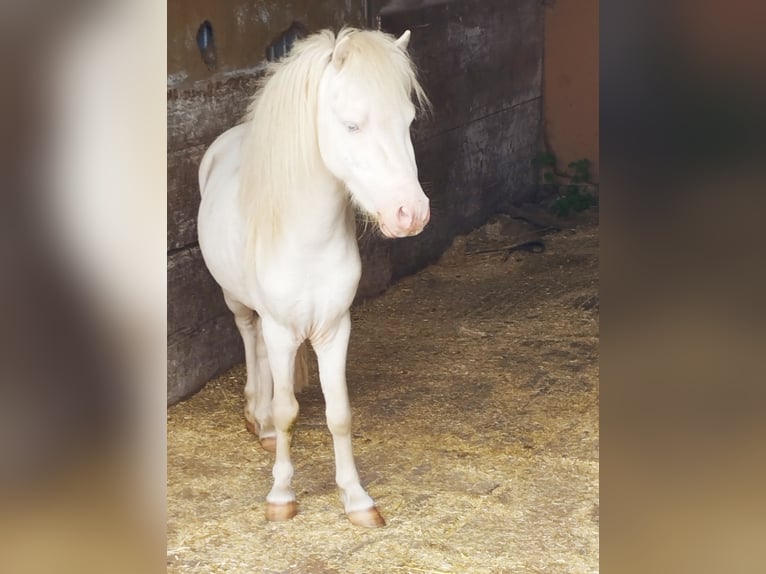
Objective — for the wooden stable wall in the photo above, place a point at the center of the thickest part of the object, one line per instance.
(481, 64)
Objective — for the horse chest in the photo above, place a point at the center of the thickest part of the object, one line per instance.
(309, 291)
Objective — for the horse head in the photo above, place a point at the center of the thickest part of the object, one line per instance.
(364, 111)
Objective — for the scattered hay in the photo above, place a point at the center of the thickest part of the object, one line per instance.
(474, 387)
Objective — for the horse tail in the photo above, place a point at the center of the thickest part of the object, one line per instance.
(302, 368)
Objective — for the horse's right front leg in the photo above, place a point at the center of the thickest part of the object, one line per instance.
(282, 347)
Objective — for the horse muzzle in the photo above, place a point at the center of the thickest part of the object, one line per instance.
(406, 220)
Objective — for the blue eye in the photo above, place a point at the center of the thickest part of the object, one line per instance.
(351, 127)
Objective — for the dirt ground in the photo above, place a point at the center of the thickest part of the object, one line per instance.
(474, 388)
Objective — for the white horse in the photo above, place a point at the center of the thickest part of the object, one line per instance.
(328, 129)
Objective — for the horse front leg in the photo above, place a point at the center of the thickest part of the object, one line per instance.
(331, 348)
(282, 347)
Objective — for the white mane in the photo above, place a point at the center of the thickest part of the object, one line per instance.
(280, 151)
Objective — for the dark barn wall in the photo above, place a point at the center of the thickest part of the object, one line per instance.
(481, 64)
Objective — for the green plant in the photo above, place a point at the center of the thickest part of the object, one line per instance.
(572, 188)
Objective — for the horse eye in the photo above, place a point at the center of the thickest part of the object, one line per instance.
(352, 127)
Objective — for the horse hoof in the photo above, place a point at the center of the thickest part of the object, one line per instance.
(269, 444)
(369, 518)
(281, 512)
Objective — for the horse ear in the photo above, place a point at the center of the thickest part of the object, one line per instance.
(403, 40)
(340, 53)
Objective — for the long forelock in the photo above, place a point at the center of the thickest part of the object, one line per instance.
(281, 146)
(376, 61)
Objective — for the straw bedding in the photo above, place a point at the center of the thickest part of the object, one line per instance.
(474, 388)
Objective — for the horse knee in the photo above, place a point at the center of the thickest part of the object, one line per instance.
(339, 422)
(285, 413)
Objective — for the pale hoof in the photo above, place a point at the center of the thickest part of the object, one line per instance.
(369, 518)
(281, 512)
(268, 443)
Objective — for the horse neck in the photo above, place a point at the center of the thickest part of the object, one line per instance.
(310, 208)
(318, 209)
(300, 200)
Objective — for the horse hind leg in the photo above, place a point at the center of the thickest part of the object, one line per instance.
(258, 388)
(258, 418)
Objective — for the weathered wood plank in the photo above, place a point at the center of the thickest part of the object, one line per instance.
(200, 113)
(198, 355)
(469, 174)
(183, 195)
(193, 294)
(202, 337)
(475, 58)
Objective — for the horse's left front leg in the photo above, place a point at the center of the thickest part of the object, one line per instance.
(331, 348)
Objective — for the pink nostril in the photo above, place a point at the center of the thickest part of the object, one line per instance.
(404, 217)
